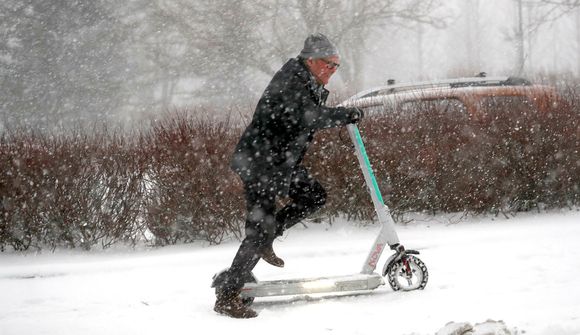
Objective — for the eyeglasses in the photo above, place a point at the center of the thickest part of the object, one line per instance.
(330, 64)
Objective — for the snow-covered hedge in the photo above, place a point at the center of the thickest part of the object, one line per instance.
(191, 192)
(511, 158)
(172, 183)
(76, 190)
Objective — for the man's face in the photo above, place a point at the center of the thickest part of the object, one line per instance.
(323, 68)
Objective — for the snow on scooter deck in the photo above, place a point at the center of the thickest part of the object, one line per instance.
(356, 282)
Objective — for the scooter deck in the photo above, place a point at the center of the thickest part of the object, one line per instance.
(356, 282)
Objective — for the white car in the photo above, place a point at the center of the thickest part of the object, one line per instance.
(463, 96)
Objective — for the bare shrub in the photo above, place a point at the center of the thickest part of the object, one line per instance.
(192, 193)
(515, 158)
(82, 189)
(73, 190)
(332, 161)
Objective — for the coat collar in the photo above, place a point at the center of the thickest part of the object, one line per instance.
(310, 82)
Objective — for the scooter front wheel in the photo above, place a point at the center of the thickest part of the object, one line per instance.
(407, 273)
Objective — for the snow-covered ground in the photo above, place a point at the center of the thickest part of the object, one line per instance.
(523, 270)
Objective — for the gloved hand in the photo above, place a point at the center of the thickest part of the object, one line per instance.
(355, 114)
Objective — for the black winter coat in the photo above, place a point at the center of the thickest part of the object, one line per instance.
(288, 114)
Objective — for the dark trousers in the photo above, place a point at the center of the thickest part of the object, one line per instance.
(264, 223)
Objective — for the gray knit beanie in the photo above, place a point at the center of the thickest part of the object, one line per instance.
(318, 46)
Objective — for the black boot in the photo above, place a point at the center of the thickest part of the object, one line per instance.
(230, 304)
(267, 254)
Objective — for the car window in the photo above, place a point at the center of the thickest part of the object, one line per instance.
(451, 106)
(378, 109)
(490, 104)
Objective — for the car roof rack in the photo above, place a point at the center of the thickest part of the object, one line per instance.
(450, 83)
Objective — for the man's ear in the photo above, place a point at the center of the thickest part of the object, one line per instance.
(309, 62)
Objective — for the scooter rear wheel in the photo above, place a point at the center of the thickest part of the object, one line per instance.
(407, 273)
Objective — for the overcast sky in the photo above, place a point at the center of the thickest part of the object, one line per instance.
(445, 52)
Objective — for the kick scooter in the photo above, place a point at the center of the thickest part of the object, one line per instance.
(403, 270)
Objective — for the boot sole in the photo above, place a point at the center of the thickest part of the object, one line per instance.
(228, 313)
(274, 263)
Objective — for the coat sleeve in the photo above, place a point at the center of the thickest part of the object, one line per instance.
(293, 104)
(303, 112)
(320, 117)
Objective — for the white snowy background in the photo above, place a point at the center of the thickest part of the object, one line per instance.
(522, 270)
